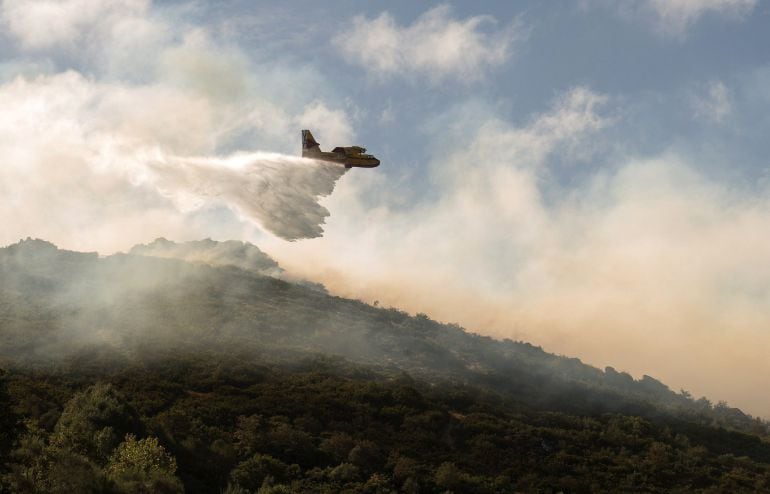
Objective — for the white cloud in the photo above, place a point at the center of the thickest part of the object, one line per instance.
(711, 102)
(387, 116)
(333, 126)
(573, 115)
(41, 24)
(675, 16)
(436, 45)
(198, 64)
(115, 37)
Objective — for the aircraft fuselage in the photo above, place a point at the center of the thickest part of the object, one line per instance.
(351, 156)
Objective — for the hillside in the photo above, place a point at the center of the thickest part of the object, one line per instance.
(193, 349)
(57, 303)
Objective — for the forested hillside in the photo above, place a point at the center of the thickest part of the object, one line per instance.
(131, 372)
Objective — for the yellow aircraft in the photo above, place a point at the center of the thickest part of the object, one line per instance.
(349, 156)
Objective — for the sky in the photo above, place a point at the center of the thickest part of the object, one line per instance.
(589, 176)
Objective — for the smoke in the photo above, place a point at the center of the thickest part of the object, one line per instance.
(89, 166)
(648, 265)
(230, 253)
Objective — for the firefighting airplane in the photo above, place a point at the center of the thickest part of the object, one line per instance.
(349, 156)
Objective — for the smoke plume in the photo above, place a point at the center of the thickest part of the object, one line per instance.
(82, 161)
(649, 265)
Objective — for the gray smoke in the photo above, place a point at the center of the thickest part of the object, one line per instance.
(242, 255)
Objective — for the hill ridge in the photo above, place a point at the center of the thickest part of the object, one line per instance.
(125, 302)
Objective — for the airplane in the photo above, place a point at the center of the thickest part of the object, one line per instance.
(349, 156)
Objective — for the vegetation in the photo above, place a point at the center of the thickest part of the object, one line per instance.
(211, 421)
(137, 374)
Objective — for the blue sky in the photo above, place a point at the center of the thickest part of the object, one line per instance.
(652, 65)
(590, 176)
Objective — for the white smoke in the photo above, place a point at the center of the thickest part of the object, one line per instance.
(92, 165)
(649, 264)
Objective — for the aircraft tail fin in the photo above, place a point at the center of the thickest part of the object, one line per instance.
(309, 143)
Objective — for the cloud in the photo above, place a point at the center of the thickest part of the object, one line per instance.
(673, 18)
(676, 16)
(387, 116)
(112, 30)
(711, 102)
(333, 125)
(648, 265)
(218, 73)
(435, 46)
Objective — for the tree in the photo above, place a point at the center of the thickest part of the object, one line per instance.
(68, 472)
(290, 444)
(366, 455)
(447, 475)
(8, 420)
(140, 466)
(251, 473)
(404, 468)
(41, 467)
(234, 489)
(93, 422)
(345, 472)
(338, 445)
(249, 434)
(378, 484)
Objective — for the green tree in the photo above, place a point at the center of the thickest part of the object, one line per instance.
(337, 446)
(378, 484)
(405, 468)
(290, 444)
(448, 475)
(93, 422)
(40, 467)
(8, 420)
(234, 489)
(367, 456)
(139, 466)
(345, 472)
(249, 434)
(68, 472)
(251, 473)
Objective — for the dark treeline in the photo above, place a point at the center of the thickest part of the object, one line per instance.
(211, 423)
(139, 374)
